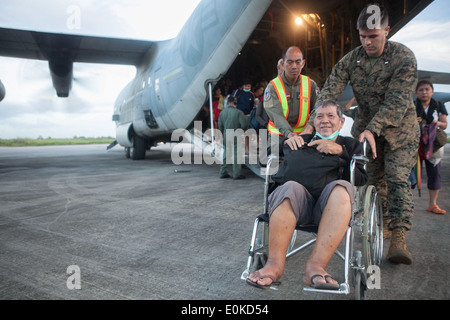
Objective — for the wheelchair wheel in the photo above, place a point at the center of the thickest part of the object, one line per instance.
(360, 285)
(372, 229)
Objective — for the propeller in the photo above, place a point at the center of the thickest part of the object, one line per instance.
(94, 87)
(35, 86)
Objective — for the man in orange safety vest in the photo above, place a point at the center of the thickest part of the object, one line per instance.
(289, 99)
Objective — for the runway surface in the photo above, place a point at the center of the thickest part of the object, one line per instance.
(123, 229)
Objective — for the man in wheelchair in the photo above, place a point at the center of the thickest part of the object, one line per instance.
(291, 203)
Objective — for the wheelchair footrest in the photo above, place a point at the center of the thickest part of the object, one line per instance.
(343, 289)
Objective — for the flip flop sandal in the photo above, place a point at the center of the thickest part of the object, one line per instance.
(324, 286)
(436, 209)
(273, 285)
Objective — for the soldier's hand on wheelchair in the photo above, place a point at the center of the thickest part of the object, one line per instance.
(368, 136)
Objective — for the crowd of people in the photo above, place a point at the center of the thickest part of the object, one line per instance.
(249, 101)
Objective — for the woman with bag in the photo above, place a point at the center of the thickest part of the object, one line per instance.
(432, 117)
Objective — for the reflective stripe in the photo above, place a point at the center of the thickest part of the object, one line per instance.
(281, 93)
(304, 107)
(305, 89)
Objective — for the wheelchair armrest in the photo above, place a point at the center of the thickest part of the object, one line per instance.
(361, 159)
(272, 158)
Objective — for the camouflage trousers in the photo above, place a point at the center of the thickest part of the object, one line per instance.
(389, 173)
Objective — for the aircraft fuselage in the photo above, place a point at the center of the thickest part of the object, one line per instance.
(170, 86)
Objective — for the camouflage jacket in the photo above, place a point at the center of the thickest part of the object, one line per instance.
(275, 111)
(384, 92)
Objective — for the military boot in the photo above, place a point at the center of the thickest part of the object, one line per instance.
(398, 253)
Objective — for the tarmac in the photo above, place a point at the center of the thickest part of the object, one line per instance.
(83, 223)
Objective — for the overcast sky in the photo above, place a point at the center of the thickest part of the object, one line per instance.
(31, 108)
(429, 37)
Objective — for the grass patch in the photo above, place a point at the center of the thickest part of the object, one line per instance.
(26, 142)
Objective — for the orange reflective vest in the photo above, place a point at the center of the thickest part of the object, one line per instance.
(303, 114)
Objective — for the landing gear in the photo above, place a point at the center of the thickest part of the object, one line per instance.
(137, 152)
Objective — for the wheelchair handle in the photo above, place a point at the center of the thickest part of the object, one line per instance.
(364, 145)
(360, 159)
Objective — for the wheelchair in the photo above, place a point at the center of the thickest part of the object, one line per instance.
(363, 238)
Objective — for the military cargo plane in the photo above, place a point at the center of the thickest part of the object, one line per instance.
(236, 39)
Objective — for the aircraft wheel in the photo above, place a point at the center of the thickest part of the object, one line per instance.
(127, 153)
(137, 152)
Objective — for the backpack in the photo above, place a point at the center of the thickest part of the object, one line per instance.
(309, 167)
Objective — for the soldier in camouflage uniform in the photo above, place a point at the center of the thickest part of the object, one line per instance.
(383, 75)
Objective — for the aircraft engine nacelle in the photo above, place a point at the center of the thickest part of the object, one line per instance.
(61, 71)
(2, 91)
(124, 135)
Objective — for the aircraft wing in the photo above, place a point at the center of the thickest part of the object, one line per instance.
(62, 50)
(435, 77)
(441, 96)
